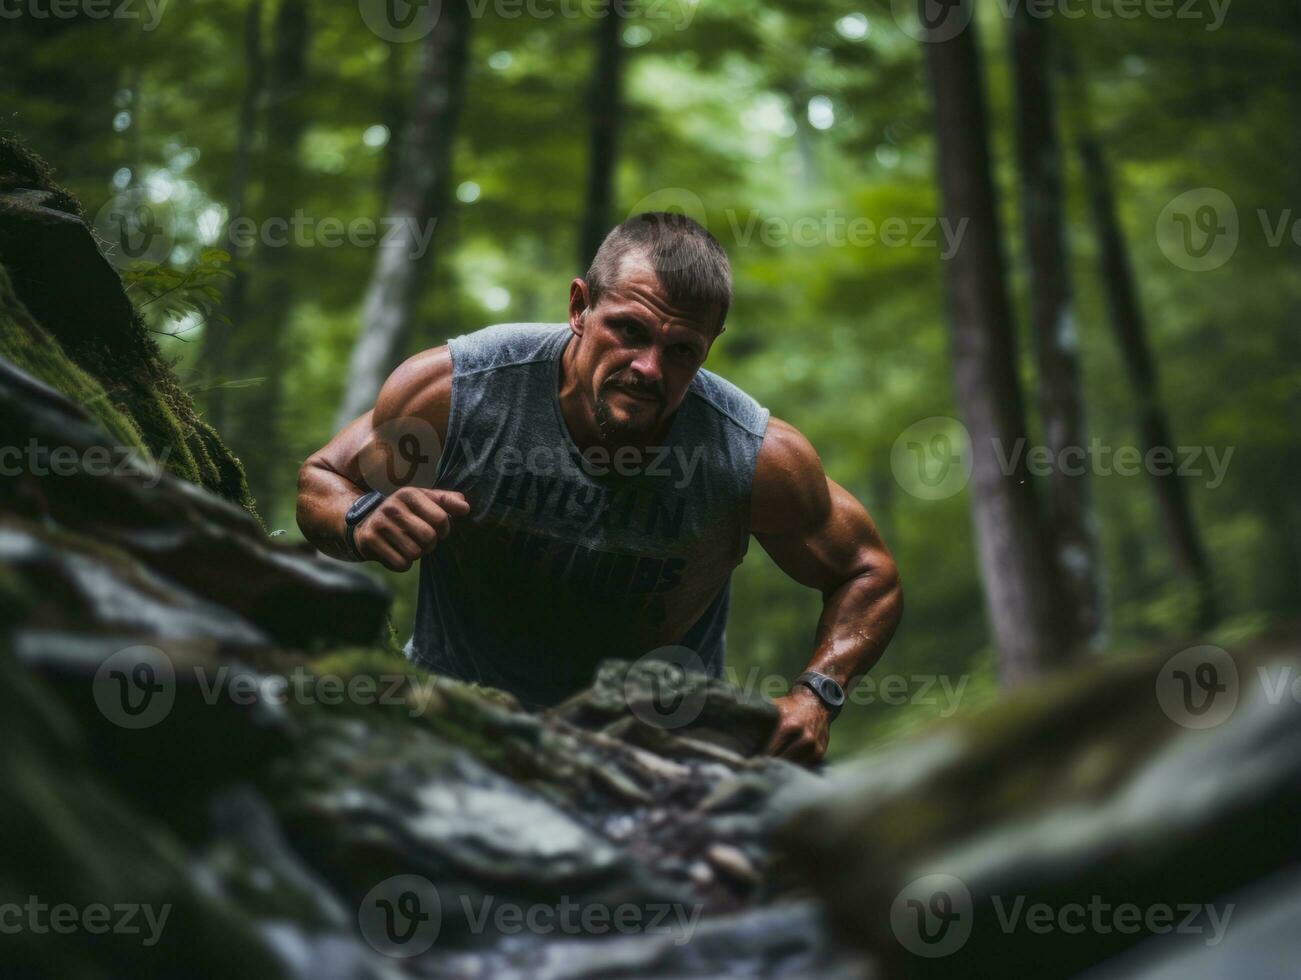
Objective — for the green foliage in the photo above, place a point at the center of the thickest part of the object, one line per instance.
(758, 116)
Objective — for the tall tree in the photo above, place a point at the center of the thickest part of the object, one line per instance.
(1023, 595)
(258, 343)
(1130, 328)
(417, 203)
(603, 141)
(1052, 318)
(217, 335)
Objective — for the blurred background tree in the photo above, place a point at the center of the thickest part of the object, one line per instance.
(1130, 315)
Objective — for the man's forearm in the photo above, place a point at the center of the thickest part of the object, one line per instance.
(858, 620)
(324, 497)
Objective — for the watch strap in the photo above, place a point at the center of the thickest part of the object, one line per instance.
(357, 512)
(827, 689)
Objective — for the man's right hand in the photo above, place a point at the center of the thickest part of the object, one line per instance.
(408, 524)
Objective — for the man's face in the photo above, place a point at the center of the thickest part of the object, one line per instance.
(638, 352)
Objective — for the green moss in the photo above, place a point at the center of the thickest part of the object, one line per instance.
(30, 347)
(97, 352)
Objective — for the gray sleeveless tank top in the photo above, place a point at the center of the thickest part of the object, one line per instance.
(566, 559)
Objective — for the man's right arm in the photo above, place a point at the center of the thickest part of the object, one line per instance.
(412, 408)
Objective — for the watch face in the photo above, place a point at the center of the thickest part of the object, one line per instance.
(832, 692)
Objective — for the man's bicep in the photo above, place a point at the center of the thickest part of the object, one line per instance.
(342, 454)
(832, 547)
(814, 529)
(409, 423)
(419, 388)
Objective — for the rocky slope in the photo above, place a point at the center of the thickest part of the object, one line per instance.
(217, 764)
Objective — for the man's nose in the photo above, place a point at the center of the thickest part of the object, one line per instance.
(647, 365)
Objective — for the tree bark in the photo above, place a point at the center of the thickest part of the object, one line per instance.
(1022, 594)
(1130, 328)
(604, 109)
(1052, 322)
(417, 204)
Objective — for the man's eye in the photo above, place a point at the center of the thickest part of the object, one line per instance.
(686, 351)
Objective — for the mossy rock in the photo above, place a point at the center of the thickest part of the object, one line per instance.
(65, 318)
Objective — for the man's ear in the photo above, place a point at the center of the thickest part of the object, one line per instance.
(578, 305)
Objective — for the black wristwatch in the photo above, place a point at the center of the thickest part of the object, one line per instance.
(828, 691)
(361, 507)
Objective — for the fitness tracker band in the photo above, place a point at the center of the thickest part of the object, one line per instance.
(357, 513)
(829, 692)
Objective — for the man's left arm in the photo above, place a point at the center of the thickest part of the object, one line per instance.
(823, 538)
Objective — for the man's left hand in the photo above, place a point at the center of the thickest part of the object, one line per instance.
(803, 728)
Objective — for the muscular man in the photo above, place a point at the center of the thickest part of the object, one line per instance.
(584, 490)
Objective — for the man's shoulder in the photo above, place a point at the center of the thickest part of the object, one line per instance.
(505, 344)
(728, 400)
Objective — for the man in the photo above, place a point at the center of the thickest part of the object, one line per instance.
(595, 490)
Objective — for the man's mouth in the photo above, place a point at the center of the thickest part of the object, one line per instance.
(636, 395)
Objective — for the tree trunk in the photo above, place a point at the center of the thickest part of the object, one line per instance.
(1022, 593)
(417, 204)
(603, 105)
(1130, 329)
(217, 336)
(1052, 322)
(259, 345)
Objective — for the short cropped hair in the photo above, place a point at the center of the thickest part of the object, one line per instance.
(690, 264)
